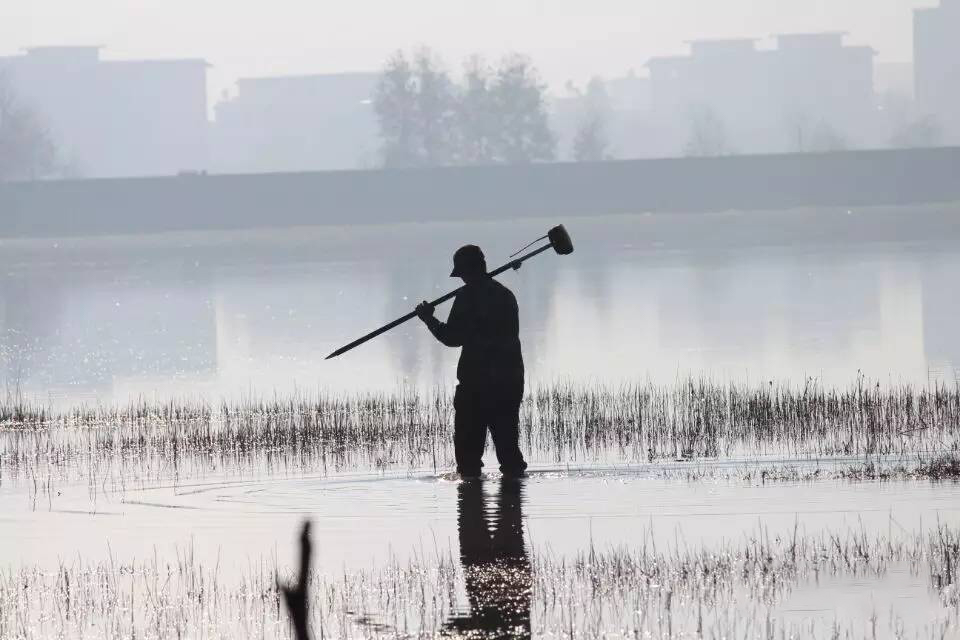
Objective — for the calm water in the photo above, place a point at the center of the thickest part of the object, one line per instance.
(224, 315)
(364, 522)
(366, 519)
(228, 315)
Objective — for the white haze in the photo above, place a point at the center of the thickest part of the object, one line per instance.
(568, 39)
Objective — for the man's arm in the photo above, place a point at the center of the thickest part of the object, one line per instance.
(447, 332)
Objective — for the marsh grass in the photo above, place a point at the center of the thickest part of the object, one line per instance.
(732, 590)
(143, 442)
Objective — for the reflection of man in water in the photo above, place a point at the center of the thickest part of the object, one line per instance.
(484, 322)
(495, 564)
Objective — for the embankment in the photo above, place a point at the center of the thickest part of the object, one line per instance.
(742, 183)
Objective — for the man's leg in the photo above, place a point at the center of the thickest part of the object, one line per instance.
(505, 428)
(469, 431)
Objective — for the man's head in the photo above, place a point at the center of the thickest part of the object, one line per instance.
(469, 264)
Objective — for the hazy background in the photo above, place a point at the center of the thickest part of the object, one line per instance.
(569, 39)
(824, 256)
(187, 89)
(120, 89)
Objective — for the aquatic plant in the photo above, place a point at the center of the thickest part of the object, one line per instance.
(562, 423)
(729, 590)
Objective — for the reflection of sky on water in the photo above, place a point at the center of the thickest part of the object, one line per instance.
(109, 329)
(369, 518)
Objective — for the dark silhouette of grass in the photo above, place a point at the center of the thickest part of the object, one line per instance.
(564, 423)
(671, 592)
(296, 596)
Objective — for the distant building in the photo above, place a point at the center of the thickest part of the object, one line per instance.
(623, 103)
(811, 91)
(894, 78)
(116, 117)
(936, 58)
(296, 123)
(629, 93)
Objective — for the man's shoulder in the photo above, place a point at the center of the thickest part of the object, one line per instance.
(502, 293)
(487, 291)
(500, 288)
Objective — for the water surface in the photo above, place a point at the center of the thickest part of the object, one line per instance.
(222, 315)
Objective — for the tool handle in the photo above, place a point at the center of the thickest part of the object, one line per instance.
(513, 264)
(391, 325)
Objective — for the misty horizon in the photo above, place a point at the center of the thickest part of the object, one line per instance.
(523, 319)
(609, 40)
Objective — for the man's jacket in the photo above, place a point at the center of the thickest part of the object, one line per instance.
(484, 321)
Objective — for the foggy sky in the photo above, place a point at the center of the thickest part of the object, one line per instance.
(568, 39)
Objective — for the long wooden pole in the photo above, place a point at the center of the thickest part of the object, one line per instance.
(513, 264)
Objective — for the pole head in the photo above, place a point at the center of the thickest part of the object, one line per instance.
(560, 240)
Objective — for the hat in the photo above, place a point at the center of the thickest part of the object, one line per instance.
(467, 258)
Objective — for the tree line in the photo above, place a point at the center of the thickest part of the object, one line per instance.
(494, 114)
(26, 149)
(500, 114)
(491, 113)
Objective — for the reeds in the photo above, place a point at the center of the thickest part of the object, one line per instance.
(113, 447)
(731, 590)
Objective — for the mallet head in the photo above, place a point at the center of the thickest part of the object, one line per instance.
(560, 240)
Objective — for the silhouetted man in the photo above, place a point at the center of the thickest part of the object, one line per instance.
(484, 322)
(495, 564)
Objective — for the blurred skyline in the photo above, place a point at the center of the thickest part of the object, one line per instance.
(568, 41)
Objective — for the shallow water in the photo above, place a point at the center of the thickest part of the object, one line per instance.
(899, 600)
(253, 315)
(225, 315)
(362, 518)
(362, 522)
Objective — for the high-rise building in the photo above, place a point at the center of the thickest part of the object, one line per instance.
(936, 59)
(115, 117)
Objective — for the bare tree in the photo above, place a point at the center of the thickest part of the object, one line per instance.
(519, 99)
(922, 132)
(496, 116)
(826, 137)
(477, 122)
(395, 103)
(414, 103)
(806, 133)
(436, 108)
(596, 98)
(708, 135)
(590, 142)
(26, 150)
(798, 126)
